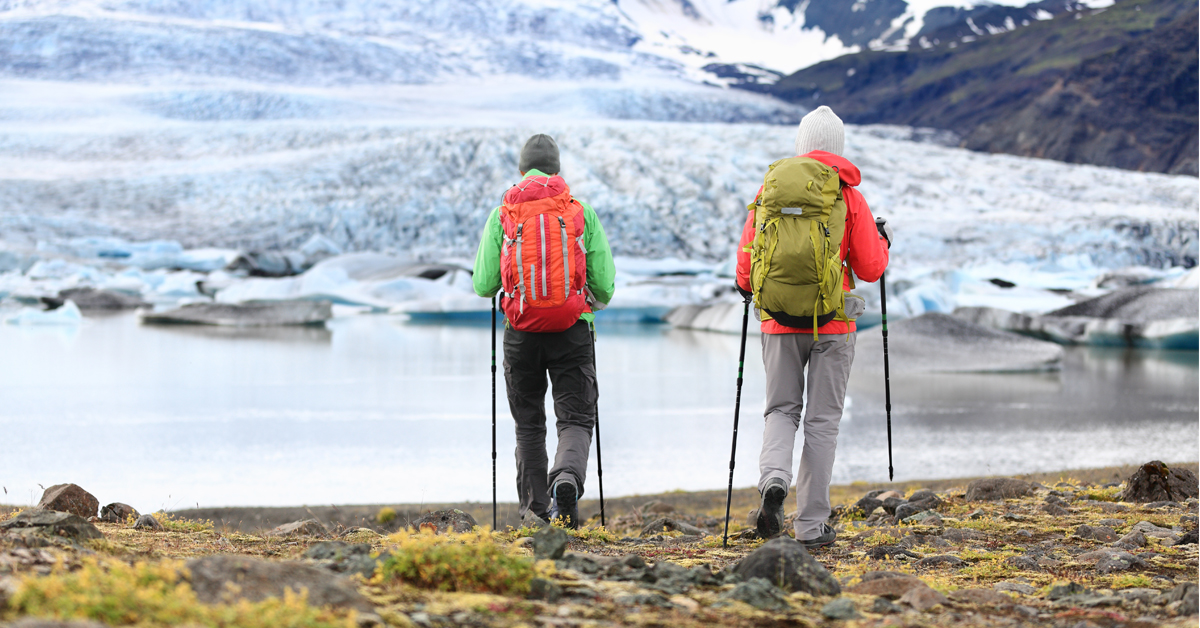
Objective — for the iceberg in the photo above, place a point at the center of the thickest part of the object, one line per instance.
(276, 313)
(67, 314)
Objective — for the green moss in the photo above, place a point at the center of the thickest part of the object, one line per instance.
(470, 562)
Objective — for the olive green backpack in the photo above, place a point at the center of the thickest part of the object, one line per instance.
(796, 258)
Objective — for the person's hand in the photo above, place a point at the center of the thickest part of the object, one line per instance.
(746, 294)
(885, 230)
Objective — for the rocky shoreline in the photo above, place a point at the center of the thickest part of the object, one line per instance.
(1075, 550)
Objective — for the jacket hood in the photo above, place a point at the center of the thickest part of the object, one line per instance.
(847, 171)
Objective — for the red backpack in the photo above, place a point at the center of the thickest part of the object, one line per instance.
(543, 263)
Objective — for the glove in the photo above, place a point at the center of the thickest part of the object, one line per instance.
(746, 294)
(884, 230)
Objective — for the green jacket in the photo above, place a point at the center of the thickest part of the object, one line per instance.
(601, 273)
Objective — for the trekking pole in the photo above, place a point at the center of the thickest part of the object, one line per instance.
(599, 458)
(887, 378)
(737, 405)
(493, 413)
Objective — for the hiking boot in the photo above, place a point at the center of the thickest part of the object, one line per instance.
(827, 537)
(531, 520)
(770, 510)
(566, 504)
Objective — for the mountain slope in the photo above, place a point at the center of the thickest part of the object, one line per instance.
(1112, 87)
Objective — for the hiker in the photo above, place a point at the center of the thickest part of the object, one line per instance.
(808, 222)
(546, 254)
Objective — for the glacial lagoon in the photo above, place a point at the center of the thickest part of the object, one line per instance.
(376, 409)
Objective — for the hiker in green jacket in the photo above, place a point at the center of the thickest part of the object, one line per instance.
(546, 254)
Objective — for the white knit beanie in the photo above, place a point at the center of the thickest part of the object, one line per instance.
(821, 129)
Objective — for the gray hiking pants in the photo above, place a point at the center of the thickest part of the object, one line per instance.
(828, 360)
(567, 356)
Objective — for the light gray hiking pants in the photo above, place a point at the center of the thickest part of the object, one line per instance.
(785, 357)
(567, 358)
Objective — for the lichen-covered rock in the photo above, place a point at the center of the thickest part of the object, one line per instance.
(840, 608)
(53, 524)
(784, 562)
(1155, 482)
(147, 522)
(117, 512)
(549, 543)
(923, 598)
(994, 489)
(1097, 533)
(449, 520)
(256, 580)
(69, 498)
(759, 593)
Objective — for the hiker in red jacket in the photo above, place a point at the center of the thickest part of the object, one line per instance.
(827, 351)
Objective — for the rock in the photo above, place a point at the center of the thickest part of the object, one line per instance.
(1188, 538)
(883, 606)
(784, 561)
(759, 593)
(117, 512)
(69, 498)
(840, 608)
(1108, 560)
(924, 517)
(1089, 600)
(883, 496)
(993, 489)
(1151, 530)
(549, 543)
(1133, 539)
(666, 523)
(1145, 596)
(867, 505)
(657, 507)
(258, 314)
(1107, 507)
(92, 299)
(255, 580)
(1098, 533)
(940, 561)
(985, 597)
(1064, 590)
(1054, 510)
(923, 598)
(908, 509)
(892, 586)
(347, 558)
(543, 589)
(1024, 563)
(642, 599)
(147, 522)
(882, 552)
(589, 565)
(442, 521)
(307, 527)
(52, 524)
(892, 503)
(1015, 587)
(1154, 481)
(958, 535)
(1186, 596)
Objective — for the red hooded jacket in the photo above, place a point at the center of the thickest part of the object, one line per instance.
(862, 247)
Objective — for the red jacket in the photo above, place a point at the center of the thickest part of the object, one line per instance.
(862, 246)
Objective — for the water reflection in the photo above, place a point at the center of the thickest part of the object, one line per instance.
(378, 410)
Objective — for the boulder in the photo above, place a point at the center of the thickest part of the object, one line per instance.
(923, 598)
(759, 593)
(840, 608)
(117, 512)
(1188, 538)
(1097, 533)
(658, 525)
(99, 300)
(886, 584)
(52, 524)
(255, 580)
(147, 522)
(1151, 530)
(784, 562)
(994, 489)
(306, 527)
(1187, 595)
(1108, 560)
(867, 505)
(450, 520)
(1134, 539)
(549, 543)
(69, 498)
(1154, 482)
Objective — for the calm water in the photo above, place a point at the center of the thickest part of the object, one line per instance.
(376, 410)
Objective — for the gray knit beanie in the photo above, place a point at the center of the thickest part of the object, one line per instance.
(821, 129)
(539, 153)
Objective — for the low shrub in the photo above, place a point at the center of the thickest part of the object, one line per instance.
(469, 562)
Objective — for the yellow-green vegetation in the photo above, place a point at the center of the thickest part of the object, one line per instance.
(179, 524)
(143, 594)
(469, 562)
(386, 515)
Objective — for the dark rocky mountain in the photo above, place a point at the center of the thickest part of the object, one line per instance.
(1114, 87)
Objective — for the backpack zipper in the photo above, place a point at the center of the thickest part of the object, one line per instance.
(545, 284)
(562, 225)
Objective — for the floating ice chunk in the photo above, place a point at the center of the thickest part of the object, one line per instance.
(936, 342)
(245, 314)
(179, 285)
(68, 314)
